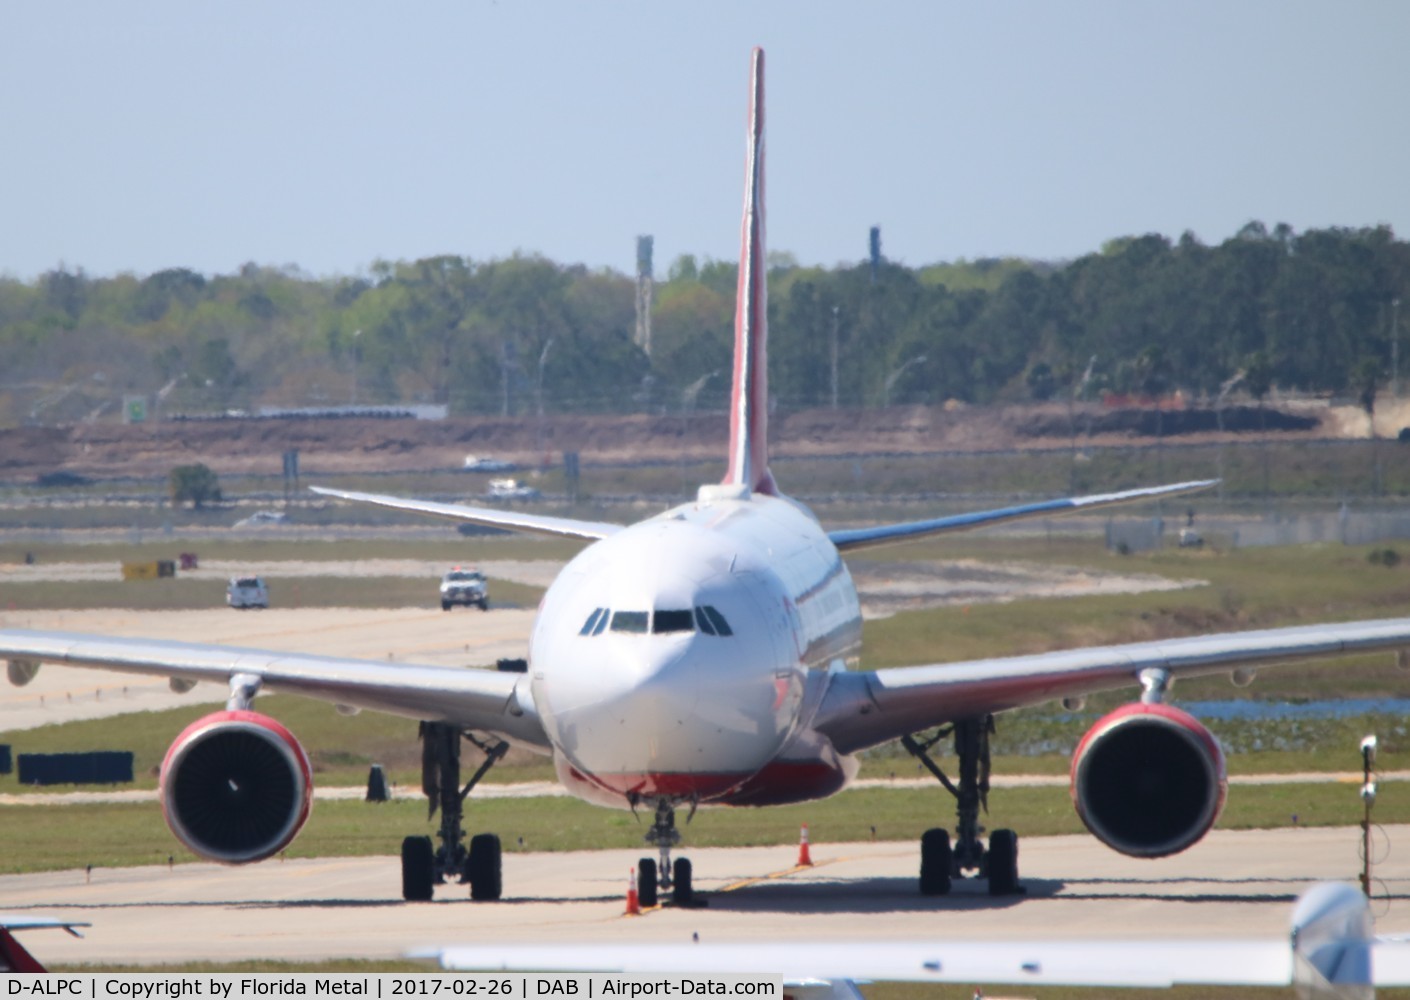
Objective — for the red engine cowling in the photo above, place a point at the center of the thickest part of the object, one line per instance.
(236, 787)
(1148, 780)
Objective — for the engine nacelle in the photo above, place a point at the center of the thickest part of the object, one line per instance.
(236, 787)
(1148, 780)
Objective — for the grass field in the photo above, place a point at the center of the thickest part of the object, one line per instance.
(121, 835)
(1245, 588)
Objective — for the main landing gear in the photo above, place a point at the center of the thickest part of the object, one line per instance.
(652, 878)
(939, 861)
(424, 865)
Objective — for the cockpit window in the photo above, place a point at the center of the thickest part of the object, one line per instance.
(629, 621)
(673, 621)
(592, 621)
(718, 620)
(662, 621)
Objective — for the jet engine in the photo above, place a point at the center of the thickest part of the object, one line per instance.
(1148, 780)
(236, 787)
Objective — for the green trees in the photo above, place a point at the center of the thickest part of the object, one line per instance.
(518, 335)
(195, 484)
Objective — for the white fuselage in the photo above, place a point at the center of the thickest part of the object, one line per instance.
(674, 658)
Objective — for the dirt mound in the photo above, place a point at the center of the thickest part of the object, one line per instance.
(1132, 422)
(365, 444)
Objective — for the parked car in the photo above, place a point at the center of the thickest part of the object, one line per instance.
(464, 586)
(511, 489)
(483, 463)
(260, 518)
(246, 592)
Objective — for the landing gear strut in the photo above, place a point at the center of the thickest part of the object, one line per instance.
(423, 866)
(968, 857)
(653, 878)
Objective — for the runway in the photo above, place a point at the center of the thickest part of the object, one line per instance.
(1238, 883)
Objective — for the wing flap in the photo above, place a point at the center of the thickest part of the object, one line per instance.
(863, 709)
(852, 539)
(510, 520)
(477, 699)
(1088, 963)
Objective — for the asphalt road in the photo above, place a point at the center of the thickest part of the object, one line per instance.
(1238, 883)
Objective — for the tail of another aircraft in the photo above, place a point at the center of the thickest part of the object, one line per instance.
(13, 956)
(749, 399)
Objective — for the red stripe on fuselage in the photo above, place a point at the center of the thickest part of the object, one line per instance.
(778, 783)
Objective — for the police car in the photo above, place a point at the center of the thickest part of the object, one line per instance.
(464, 586)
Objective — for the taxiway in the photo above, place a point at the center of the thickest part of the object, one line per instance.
(1236, 883)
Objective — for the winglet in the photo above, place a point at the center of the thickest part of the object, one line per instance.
(13, 956)
(749, 400)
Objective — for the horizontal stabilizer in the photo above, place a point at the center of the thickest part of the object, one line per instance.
(509, 520)
(887, 534)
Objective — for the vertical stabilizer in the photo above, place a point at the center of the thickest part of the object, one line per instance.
(14, 958)
(749, 399)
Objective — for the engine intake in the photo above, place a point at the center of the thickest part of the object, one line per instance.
(1148, 780)
(236, 787)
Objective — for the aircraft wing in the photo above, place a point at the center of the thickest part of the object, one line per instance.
(864, 708)
(510, 520)
(485, 700)
(853, 539)
(1085, 963)
(1331, 952)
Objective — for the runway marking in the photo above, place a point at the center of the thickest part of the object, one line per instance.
(745, 883)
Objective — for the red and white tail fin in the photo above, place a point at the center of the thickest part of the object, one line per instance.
(14, 958)
(749, 400)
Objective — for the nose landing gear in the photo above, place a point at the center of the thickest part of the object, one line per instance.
(940, 862)
(653, 877)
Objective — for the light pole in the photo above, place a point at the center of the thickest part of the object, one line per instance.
(543, 360)
(1224, 391)
(538, 393)
(1395, 349)
(891, 379)
(692, 391)
(1078, 388)
(836, 317)
(357, 361)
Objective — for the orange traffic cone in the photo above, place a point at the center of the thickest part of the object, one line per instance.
(633, 901)
(804, 858)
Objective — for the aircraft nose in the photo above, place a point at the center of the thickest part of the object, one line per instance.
(657, 686)
(630, 705)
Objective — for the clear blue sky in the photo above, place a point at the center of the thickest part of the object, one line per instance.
(175, 134)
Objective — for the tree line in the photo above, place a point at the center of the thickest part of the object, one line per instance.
(1315, 312)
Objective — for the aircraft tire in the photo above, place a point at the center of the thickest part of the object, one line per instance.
(1003, 863)
(682, 891)
(484, 868)
(935, 861)
(646, 882)
(418, 869)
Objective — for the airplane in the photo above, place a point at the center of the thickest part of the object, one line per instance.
(1330, 953)
(708, 655)
(13, 956)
